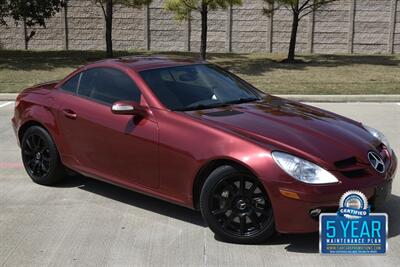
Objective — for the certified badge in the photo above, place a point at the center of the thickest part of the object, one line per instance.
(353, 229)
(353, 205)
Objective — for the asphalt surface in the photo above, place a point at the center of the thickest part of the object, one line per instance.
(84, 222)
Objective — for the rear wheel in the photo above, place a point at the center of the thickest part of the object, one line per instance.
(40, 157)
(236, 206)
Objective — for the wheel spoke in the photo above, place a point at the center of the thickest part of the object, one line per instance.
(43, 167)
(218, 196)
(219, 212)
(229, 220)
(35, 166)
(242, 186)
(230, 188)
(43, 149)
(33, 142)
(242, 224)
(251, 190)
(254, 219)
(27, 153)
(46, 155)
(30, 162)
(37, 142)
(263, 211)
(28, 144)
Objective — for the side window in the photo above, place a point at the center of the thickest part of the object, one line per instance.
(108, 85)
(87, 82)
(72, 84)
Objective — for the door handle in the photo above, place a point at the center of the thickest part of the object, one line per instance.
(69, 114)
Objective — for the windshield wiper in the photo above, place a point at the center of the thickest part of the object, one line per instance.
(242, 100)
(202, 106)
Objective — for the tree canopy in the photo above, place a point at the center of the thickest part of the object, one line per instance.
(107, 7)
(183, 9)
(29, 12)
(302, 7)
(299, 9)
(32, 12)
(129, 3)
(3, 11)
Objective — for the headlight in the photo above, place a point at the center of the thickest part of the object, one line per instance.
(303, 170)
(377, 134)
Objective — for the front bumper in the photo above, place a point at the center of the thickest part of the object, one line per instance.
(293, 215)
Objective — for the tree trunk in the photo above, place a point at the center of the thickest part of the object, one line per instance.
(293, 38)
(109, 19)
(204, 27)
(25, 35)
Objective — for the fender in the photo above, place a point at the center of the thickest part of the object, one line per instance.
(32, 113)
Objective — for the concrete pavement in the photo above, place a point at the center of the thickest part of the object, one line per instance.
(84, 222)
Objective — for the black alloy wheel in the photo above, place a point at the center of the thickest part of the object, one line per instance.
(236, 206)
(40, 156)
(36, 154)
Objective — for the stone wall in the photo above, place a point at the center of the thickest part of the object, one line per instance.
(396, 30)
(345, 26)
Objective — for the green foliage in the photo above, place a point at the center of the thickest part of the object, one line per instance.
(129, 3)
(33, 12)
(299, 7)
(107, 7)
(4, 9)
(182, 8)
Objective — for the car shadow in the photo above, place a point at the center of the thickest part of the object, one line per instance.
(296, 243)
(392, 208)
(134, 199)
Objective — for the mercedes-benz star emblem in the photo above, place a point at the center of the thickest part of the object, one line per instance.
(376, 162)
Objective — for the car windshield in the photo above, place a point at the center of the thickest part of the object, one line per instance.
(200, 86)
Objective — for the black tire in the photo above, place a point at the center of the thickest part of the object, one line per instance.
(237, 213)
(40, 157)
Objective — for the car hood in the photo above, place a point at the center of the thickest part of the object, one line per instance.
(285, 125)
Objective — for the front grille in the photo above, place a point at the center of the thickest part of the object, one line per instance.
(351, 168)
(384, 153)
(355, 173)
(346, 163)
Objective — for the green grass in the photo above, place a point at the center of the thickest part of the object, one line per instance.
(316, 74)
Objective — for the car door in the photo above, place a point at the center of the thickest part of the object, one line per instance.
(119, 148)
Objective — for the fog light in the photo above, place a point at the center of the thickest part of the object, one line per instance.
(315, 212)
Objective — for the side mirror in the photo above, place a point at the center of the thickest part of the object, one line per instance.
(129, 108)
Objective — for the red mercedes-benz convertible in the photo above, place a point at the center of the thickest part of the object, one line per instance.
(194, 134)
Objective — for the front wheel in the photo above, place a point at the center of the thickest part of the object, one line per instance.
(236, 206)
(40, 157)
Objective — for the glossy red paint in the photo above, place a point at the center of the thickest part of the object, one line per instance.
(163, 153)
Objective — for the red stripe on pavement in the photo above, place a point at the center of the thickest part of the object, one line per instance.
(11, 165)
